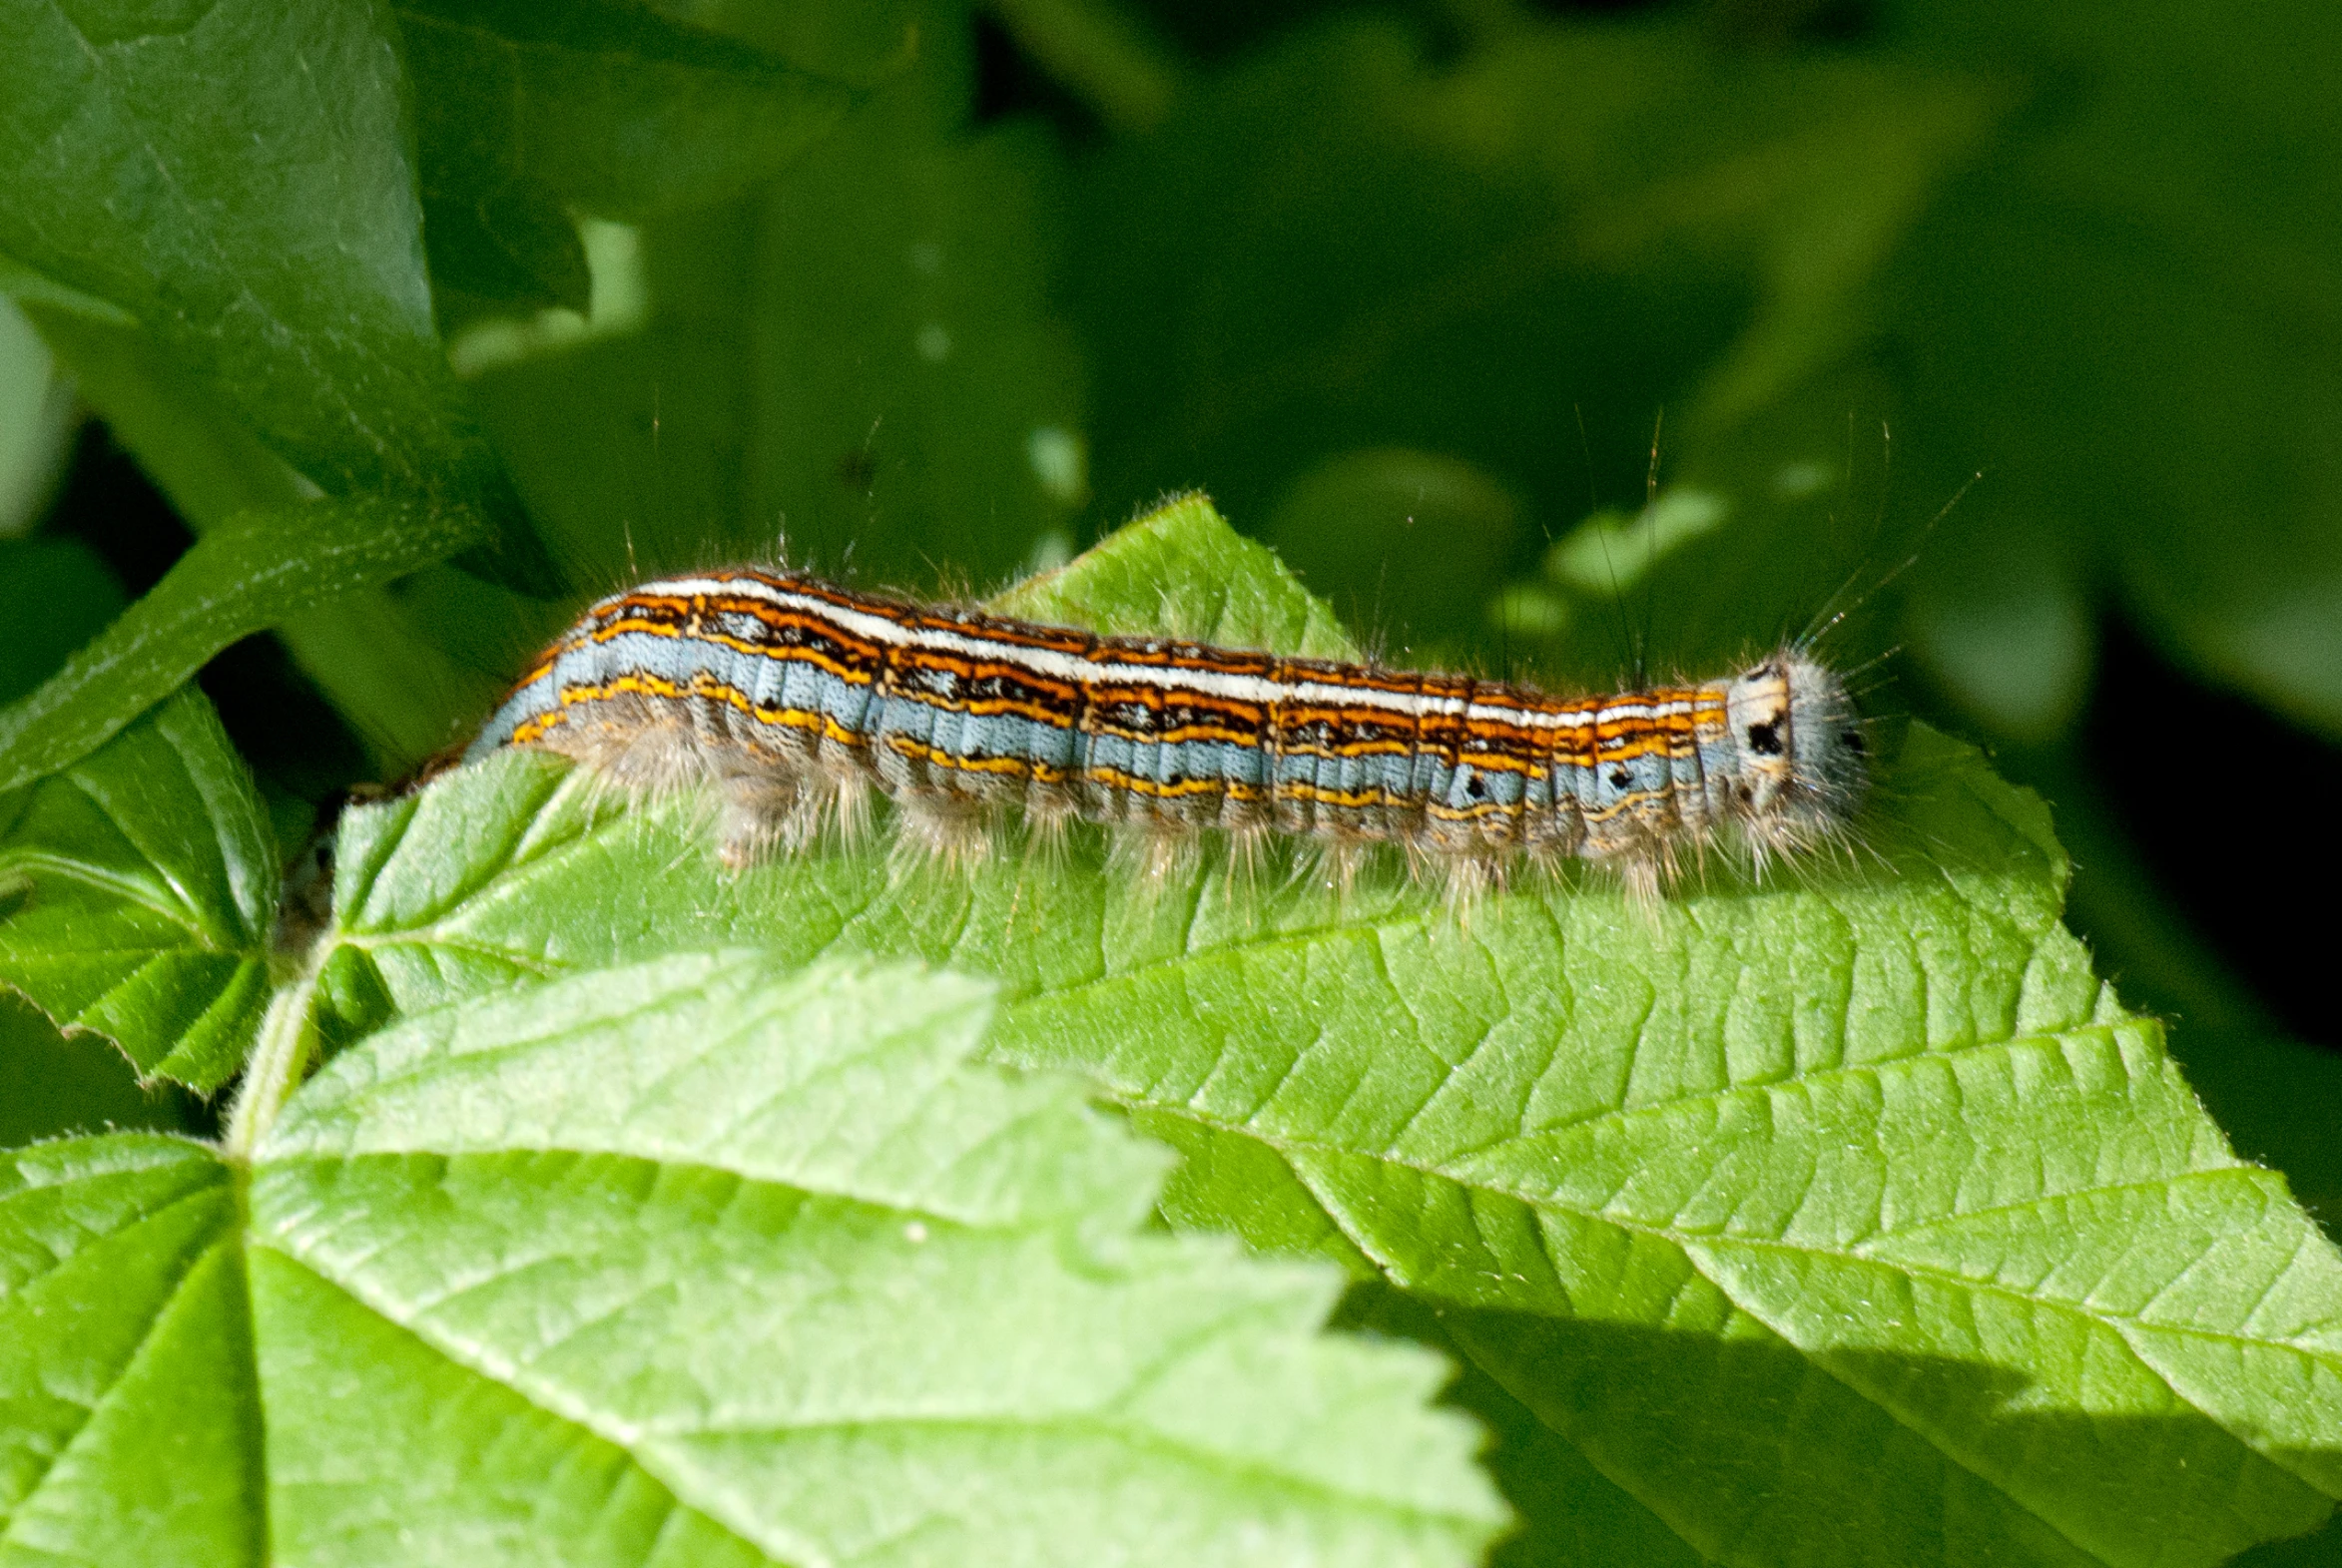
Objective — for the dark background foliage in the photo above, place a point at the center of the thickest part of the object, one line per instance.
(1416, 293)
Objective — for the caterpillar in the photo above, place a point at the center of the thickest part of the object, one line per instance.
(798, 699)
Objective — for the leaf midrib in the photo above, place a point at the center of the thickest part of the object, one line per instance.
(136, 891)
(226, 1236)
(1689, 1246)
(635, 1442)
(1683, 1238)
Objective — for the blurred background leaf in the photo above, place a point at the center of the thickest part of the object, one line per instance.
(524, 114)
(234, 180)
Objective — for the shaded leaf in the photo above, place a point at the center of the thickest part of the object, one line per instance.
(252, 572)
(916, 400)
(36, 419)
(864, 44)
(611, 105)
(54, 594)
(1349, 240)
(1367, 528)
(79, 1083)
(259, 222)
(2166, 224)
(603, 107)
(139, 887)
(515, 247)
(195, 448)
(370, 653)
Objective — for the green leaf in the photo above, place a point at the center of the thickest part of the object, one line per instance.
(612, 106)
(530, 1281)
(1183, 570)
(133, 1419)
(36, 419)
(195, 448)
(1351, 239)
(777, 398)
(1570, 1511)
(2274, 1096)
(233, 178)
(1848, 1215)
(54, 593)
(368, 652)
(606, 107)
(916, 401)
(510, 249)
(242, 578)
(1107, 55)
(138, 891)
(2156, 230)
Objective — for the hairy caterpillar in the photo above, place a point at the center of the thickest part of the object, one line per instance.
(796, 698)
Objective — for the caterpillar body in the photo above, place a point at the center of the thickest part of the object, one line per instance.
(796, 698)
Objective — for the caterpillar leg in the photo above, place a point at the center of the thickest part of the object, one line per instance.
(1334, 863)
(1049, 817)
(762, 816)
(1158, 853)
(1467, 881)
(1643, 881)
(635, 748)
(947, 833)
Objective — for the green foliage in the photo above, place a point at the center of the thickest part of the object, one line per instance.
(32, 419)
(135, 188)
(1869, 1164)
(1181, 569)
(526, 1278)
(256, 338)
(2126, 248)
(1847, 1218)
(523, 110)
(141, 889)
(915, 405)
(254, 570)
(54, 594)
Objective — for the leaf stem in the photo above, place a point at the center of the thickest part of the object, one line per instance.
(1101, 54)
(280, 1058)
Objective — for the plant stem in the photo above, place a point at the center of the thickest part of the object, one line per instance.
(1102, 55)
(280, 1057)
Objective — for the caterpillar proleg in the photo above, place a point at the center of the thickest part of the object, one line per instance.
(798, 699)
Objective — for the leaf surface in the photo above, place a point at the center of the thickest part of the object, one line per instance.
(2159, 230)
(254, 570)
(692, 1263)
(131, 1424)
(1182, 569)
(524, 113)
(365, 650)
(1849, 1210)
(140, 890)
(233, 178)
(917, 402)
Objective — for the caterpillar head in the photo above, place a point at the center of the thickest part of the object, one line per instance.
(1803, 760)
